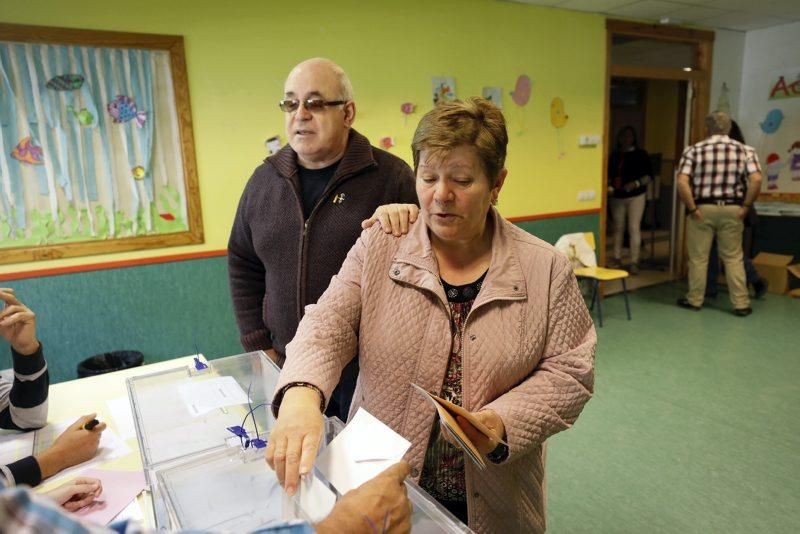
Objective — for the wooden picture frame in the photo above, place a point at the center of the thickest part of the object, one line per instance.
(157, 204)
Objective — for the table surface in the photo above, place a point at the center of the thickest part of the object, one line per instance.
(75, 398)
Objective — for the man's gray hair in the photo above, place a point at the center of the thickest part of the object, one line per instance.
(718, 123)
(345, 87)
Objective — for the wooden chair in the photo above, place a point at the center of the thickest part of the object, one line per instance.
(601, 274)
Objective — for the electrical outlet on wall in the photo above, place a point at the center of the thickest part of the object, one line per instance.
(587, 195)
(589, 140)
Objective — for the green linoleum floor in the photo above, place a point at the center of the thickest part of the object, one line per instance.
(694, 426)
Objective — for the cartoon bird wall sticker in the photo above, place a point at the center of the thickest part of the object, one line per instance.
(772, 121)
(558, 118)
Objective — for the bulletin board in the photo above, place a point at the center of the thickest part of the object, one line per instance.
(96, 146)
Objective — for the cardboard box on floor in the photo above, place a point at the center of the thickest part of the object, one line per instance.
(776, 269)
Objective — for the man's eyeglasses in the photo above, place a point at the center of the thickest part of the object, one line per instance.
(311, 104)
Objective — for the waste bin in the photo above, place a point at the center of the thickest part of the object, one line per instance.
(109, 362)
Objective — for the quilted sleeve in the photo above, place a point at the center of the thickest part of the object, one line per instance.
(327, 338)
(552, 397)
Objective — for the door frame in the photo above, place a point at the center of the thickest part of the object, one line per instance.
(699, 78)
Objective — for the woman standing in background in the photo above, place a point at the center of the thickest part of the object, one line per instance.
(629, 172)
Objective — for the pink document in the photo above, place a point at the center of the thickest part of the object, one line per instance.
(119, 489)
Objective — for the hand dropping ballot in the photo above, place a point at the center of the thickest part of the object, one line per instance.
(365, 448)
(447, 417)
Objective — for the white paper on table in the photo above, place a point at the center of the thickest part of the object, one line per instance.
(362, 450)
(111, 446)
(120, 409)
(202, 396)
(15, 446)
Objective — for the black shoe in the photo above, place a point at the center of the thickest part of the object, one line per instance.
(743, 312)
(684, 303)
(761, 287)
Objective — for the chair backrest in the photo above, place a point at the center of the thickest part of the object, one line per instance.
(590, 239)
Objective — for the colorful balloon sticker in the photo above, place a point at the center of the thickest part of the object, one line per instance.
(522, 90)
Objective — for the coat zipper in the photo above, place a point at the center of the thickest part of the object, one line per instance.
(301, 280)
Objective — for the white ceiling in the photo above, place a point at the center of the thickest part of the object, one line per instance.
(740, 15)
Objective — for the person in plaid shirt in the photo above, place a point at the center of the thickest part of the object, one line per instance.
(718, 181)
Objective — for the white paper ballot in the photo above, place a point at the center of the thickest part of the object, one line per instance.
(362, 450)
(315, 498)
(202, 396)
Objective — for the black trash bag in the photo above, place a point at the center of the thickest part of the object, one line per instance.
(109, 362)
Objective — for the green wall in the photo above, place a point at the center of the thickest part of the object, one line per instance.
(162, 310)
(551, 229)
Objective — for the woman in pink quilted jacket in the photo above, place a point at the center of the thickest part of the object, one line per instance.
(467, 306)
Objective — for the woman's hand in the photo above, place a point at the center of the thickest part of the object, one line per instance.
(295, 438)
(77, 493)
(490, 420)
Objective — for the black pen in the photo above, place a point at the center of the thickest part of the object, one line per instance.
(91, 424)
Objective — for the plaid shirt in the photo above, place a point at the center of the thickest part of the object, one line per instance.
(22, 512)
(719, 167)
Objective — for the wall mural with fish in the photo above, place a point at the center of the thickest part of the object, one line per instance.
(96, 149)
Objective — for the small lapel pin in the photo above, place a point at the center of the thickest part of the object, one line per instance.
(338, 199)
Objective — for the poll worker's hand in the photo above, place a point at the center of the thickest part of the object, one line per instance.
(17, 323)
(393, 218)
(378, 505)
(295, 438)
(77, 493)
(630, 186)
(490, 420)
(697, 215)
(74, 446)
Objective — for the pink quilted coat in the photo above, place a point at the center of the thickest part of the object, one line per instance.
(527, 351)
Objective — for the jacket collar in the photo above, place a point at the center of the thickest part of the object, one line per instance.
(357, 156)
(415, 263)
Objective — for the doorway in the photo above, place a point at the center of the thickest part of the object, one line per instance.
(655, 111)
(657, 85)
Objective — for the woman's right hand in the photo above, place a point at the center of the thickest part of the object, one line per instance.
(295, 438)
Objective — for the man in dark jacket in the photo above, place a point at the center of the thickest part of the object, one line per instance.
(302, 210)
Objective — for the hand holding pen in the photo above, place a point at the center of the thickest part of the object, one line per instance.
(75, 445)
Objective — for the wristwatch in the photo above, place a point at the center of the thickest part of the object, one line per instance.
(499, 454)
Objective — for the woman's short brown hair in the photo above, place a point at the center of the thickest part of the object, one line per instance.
(474, 122)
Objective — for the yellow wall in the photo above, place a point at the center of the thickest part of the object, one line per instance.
(239, 52)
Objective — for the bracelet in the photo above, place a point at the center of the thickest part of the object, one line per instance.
(692, 211)
(308, 385)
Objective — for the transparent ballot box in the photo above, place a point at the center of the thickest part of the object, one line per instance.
(186, 411)
(234, 491)
(203, 475)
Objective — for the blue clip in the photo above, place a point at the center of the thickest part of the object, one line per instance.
(198, 365)
(258, 443)
(238, 431)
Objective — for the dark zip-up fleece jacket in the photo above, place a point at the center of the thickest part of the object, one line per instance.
(277, 262)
